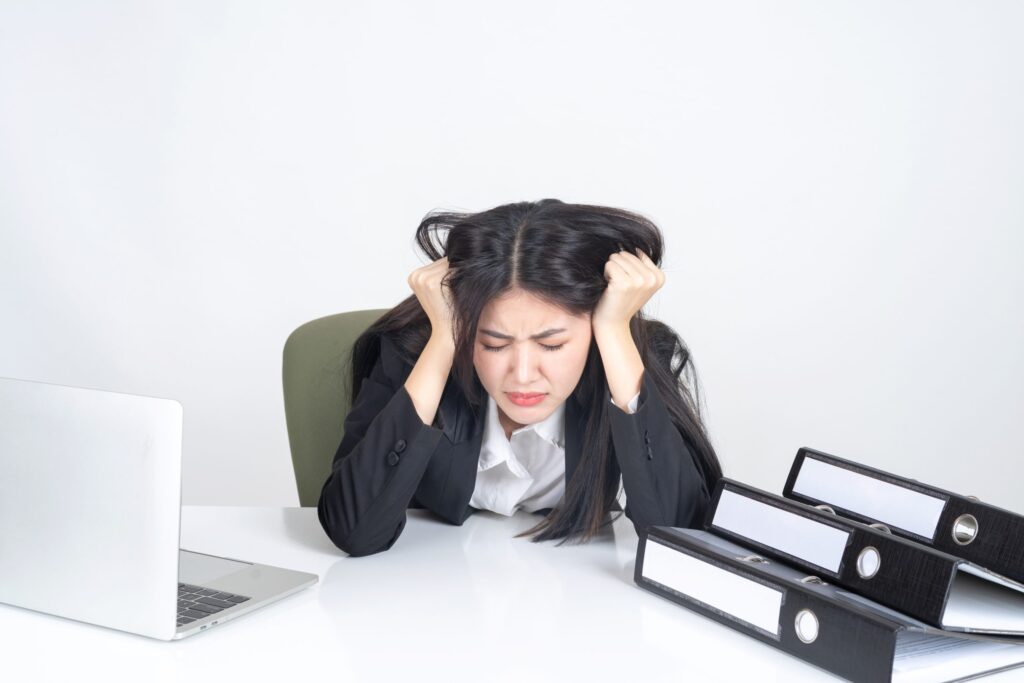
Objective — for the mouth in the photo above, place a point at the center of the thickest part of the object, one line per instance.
(521, 399)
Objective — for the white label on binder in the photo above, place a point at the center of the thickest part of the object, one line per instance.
(720, 589)
(879, 500)
(820, 544)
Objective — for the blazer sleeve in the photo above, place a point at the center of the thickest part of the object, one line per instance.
(379, 463)
(663, 483)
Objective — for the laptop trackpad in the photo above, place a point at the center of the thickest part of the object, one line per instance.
(197, 568)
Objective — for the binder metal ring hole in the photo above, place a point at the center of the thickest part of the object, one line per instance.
(965, 529)
(756, 559)
(806, 625)
(826, 508)
(868, 562)
(812, 579)
(881, 527)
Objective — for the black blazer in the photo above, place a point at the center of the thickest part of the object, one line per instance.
(389, 460)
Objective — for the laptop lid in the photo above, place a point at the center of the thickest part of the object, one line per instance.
(90, 505)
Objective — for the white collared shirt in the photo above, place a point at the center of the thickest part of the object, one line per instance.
(527, 470)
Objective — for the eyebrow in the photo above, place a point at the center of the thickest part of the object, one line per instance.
(539, 335)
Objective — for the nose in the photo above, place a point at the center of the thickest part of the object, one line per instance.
(525, 370)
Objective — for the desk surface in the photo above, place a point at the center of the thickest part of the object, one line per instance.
(446, 603)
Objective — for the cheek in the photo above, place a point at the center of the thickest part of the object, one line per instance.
(485, 367)
(566, 369)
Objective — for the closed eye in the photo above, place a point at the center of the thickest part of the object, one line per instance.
(546, 347)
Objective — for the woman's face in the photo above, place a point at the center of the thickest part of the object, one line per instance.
(529, 355)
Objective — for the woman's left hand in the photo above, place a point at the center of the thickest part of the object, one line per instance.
(632, 281)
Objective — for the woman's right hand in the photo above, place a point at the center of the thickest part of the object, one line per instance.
(434, 297)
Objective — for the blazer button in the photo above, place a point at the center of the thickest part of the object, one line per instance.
(393, 459)
(400, 446)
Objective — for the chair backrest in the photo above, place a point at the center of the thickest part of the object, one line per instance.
(317, 374)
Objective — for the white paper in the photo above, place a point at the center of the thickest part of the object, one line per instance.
(926, 657)
(980, 603)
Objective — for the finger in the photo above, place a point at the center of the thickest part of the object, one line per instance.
(614, 272)
(630, 263)
(436, 270)
(645, 261)
(652, 275)
(639, 274)
(652, 267)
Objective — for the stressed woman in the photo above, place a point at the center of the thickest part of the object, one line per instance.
(522, 375)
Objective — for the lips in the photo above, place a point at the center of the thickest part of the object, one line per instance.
(521, 399)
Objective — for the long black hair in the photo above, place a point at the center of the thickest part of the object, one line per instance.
(557, 252)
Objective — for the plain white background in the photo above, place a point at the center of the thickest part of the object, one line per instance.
(839, 183)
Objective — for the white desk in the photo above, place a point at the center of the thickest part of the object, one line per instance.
(446, 603)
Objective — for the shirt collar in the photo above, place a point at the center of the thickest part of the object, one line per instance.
(496, 449)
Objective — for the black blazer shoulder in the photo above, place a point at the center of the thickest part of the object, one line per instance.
(389, 460)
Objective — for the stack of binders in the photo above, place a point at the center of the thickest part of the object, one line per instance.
(868, 575)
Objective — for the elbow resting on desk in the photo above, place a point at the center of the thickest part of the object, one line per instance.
(354, 536)
(688, 512)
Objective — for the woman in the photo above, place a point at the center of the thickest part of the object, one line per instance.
(521, 374)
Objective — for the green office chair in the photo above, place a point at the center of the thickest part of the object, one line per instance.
(317, 373)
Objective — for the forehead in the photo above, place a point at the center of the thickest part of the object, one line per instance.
(519, 311)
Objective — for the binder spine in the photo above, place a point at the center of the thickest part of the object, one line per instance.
(926, 493)
(836, 638)
(997, 541)
(910, 579)
(907, 580)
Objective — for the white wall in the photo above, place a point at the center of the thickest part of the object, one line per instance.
(182, 184)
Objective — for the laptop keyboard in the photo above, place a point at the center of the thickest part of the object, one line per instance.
(196, 602)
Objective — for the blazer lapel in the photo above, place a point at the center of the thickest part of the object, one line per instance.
(457, 418)
(573, 436)
(452, 468)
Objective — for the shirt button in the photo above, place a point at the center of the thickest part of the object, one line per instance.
(400, 446)
(393, 459)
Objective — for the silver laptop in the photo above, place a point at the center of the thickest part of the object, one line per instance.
(90, 505)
